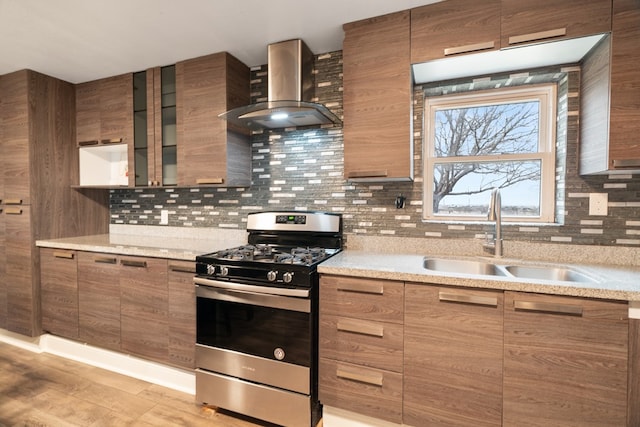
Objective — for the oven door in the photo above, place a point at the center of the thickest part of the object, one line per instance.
(259, 337)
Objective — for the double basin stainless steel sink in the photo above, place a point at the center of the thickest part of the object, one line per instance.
(488, 268)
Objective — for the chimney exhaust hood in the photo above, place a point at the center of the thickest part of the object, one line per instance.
(290, 78)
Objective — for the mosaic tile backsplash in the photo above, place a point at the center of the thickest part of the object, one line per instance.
(303, 170)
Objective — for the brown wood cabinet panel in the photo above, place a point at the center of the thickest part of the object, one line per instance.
(144, 307)
(453, 356)
(3, 264)
(454, 27)
(210, 151)
(369, 299)
(526, 21)
(88, 111)
(59, 292)
(23, 298)
(182, 313)
(363, 342)
(373, 392)
(633, 403)
(624, 115)
(564, 369)
(99, 299)
(377, 98)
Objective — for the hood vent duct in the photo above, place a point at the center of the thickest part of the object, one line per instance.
(290, 77)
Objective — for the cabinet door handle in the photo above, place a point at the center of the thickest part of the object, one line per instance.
(105, 260)
(13, 201)
(468, 299)
(85, 143)
(133, 263)
(469, 48)
(13, 211)
(541, 35)
(548, 307)
(182, 269)
(204, 181)
(362, 328)
(373, 378)
(112, 141)
(362, 288)
(626, 163)
(65, 255)
(368, 174)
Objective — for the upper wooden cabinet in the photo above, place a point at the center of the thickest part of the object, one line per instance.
(609, 142)
(454, 27)
(104, 111)
(378, 143)
(211, 151)
(531, 21)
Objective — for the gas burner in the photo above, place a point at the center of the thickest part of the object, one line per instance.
(246, 253)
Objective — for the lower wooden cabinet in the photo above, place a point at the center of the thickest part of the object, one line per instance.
(182, 313)
(565, 361)
(59, 292)
(452, 356)
(99, 300)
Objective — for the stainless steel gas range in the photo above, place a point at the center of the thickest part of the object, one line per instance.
(257, 318)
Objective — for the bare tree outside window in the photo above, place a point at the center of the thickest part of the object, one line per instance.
(478, 146)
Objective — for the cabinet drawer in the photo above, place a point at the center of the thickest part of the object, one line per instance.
(368, 343)
(368, 299)
(373, 392)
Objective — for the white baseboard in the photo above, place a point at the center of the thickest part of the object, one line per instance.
(334, 417)
(155, 373)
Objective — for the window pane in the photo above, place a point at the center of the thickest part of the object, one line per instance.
(463, 189)
(487, 130)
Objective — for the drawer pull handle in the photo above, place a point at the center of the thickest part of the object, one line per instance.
(105, 260)
(574, 310)
(112, 141)
(13, 211)
(361, 328)
(204, 181)
(362, 288)
(468, 299)
(133, 263)
(85, 143)
(13, 201)
(469, 48)
(558, 32)
(368, 174)
(626, 163)
(373, 378)
(182, 269)
(65, 255)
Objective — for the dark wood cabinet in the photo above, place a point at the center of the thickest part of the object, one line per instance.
(534, 21)
(565, 361)
(99, 300)
(454, 27)
(59, 292)
(104, 110)
(452, 356)
(361, 345)
(378, 144)
(182, 313)
(144, 307)
(211, 151)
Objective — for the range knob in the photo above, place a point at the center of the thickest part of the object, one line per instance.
(287, 277)
(224, 271)
(211, 269)
(272, 275)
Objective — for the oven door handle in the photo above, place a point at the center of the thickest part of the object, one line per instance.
(252, 298)
(286, 292)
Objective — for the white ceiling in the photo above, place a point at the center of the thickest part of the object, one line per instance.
(82, 40)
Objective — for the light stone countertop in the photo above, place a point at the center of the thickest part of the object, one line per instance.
(610, 282)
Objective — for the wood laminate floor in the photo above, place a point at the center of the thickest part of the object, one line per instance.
(46, 390)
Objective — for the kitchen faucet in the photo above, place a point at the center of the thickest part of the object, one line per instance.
(495, 214)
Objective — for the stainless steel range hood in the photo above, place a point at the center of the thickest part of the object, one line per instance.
(291, 90)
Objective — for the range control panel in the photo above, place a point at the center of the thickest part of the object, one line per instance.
(291, 219)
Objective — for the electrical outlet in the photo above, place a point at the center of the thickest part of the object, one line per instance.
(164, 217)
(598, 203)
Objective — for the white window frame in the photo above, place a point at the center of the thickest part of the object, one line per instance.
(546, 94)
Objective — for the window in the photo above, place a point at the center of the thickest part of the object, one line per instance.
(503, 138)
